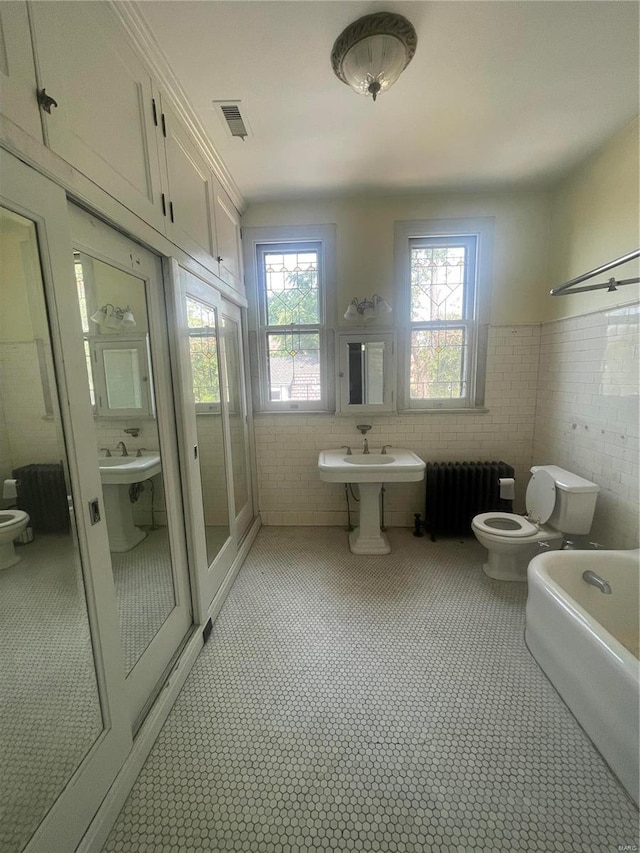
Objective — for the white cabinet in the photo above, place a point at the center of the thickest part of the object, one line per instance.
(227, 223)
(104, 122)
(112, 124)
(18, 87)
(187, 193)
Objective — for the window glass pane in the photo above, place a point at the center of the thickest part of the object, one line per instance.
(291, 288)
(204, 352)
(437, 283)
(294, 365)
(438, 364)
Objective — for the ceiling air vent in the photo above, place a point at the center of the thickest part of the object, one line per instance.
(232, 118)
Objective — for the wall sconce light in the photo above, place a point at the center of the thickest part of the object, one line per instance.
(372, 52)
(367, 307)
(114, 318)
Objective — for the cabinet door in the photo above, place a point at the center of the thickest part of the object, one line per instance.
(189, 193)
(18, 86)
(227, 225)
(104, 122)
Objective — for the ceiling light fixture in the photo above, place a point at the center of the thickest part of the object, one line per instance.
(372, 52)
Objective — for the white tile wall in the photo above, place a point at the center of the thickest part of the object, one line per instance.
(287, 446)
(587, 413)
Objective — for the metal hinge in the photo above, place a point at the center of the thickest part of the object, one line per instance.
(164, 126)
(155, 111)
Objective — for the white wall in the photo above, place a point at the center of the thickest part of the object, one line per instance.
(588, 394)
(365, 234)
(588, 366)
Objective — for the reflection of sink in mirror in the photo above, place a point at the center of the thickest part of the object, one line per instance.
(129, 469)
(118, 473)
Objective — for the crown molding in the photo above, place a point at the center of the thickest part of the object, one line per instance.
(144, 42)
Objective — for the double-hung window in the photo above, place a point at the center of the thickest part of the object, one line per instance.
(290, 308)
(447, 303)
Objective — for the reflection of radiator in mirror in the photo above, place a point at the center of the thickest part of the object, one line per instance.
(42, 494)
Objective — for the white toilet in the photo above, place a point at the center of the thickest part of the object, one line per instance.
(558, 502)
(13, 523)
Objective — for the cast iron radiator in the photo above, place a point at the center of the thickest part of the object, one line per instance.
(42, 493)
(456, 491)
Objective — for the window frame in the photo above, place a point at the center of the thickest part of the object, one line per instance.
(257, 243)
(408, 235)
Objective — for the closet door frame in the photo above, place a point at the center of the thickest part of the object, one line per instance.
(33, 196)
(101, 241)
(209, 577)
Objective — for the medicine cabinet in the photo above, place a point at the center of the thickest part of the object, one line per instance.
(366, 373)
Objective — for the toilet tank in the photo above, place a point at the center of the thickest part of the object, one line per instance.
(575, 500)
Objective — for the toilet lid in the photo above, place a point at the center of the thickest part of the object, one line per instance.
(504, 524)
(541, 496)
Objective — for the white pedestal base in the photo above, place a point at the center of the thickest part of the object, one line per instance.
(8, 555)
(118, 510)
(368, 538)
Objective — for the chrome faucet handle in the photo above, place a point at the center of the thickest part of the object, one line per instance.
(544, 546)
(347, 448)
(384, 449)
(596, 545)
(140, 449)
(107, 452)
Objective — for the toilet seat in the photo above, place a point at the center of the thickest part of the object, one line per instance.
(504, 524)
(11, 517)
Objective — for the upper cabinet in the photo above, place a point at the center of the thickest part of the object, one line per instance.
(187, 192)
(110, 121)
(18, 87)
(227, 224)
(103, 124)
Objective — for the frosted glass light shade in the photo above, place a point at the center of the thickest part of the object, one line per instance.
(372, 53)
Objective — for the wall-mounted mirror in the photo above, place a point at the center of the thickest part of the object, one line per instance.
(365, 372)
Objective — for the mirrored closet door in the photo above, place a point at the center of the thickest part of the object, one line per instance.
(234, 395)
(208, 460)
(63, 735)
(119, 290)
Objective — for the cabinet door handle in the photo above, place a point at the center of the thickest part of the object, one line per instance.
(155, 111)
(164, 126)
(171, 211)
(46, 101)
(164, 205)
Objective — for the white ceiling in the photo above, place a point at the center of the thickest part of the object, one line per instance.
(499, 94)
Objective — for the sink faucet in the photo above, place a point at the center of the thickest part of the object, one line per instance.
(365, 446)
(122, 445)
(384, 449)
(107, 452)
(595, 580)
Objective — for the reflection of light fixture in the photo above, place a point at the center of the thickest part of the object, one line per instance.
(367, 307)
(114, 318)
(372, 52)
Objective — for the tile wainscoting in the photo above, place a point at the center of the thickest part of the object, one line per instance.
(587, 412)
(287, 446)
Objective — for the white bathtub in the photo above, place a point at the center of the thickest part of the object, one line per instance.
(587, 644)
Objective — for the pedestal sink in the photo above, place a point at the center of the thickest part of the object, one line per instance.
(117, 474)
(370, 471)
